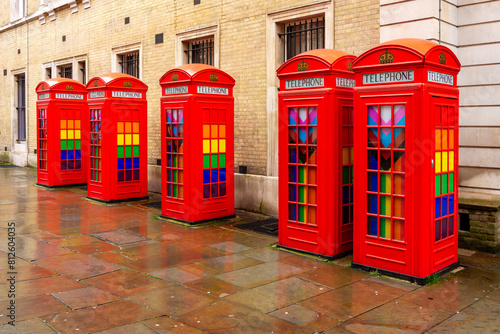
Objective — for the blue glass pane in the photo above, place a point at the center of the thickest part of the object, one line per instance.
(292, 158)
(292, 212)
(121, 163)
(63, 155)
(451, 204)
(206, 178)
(372, 226)
(71, 154)
(128, 163)
(444, 206)
(78, 154)
(292, 173)
(136, 163)
(437, 210)
(351, 194)
(372, 204)
(345, 195)
(222, 175)
(292, 193)
(373, 182)
(214, 175)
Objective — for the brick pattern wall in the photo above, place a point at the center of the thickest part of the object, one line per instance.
(484, 226)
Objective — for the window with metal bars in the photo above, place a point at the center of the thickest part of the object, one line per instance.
(21, 107)
(130, 63)
(66, 71)
(301, 36)
(201, 51)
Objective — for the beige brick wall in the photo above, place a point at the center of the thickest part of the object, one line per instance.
(243, 54)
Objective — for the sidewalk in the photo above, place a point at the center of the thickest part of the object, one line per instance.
(84, 267)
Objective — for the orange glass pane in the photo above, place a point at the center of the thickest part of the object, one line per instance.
(206, 131)
(77, 124)
(451, 140)
(64, 124)
(71, 124)
(311, 196)
(444, 139)
(311, 215)
(214, 131)
(438, 139)
(311, 175)
(119, 127)
(128, 127)
(222, 131)
(135, 127)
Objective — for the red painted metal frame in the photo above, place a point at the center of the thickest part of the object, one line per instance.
(417, 252)
(104, 184)
(180, 91)
(51, 108)
(321, 232)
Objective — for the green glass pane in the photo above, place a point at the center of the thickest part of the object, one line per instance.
(174, 176)
(222, 160)
(437, 186)
(302, 174)
(63, 145)
(351, 168)
(174, 188)
(71, 144)
(214, 159)
(128, 151)
(174, 161)
(135, 150)
(206, 161)
(451, 183)
(345, 175)
(302, 213)
(302, 194)
(120, 152)
(444, 188)
(78, 144)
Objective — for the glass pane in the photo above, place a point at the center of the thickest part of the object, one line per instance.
(372, 226)
(311, 215)
(399, 161)
(399, 115)
(385, 228)
(399, 138)
(372, 160)
(313, 116)
(373, 137)
(303, 115)
(372, 115)
(385, 183)
(372, 204)
(385, 205)
(311, 195)
(399, 230)
(292, 116)
(372, 182)
(385, 115)
(399, 207)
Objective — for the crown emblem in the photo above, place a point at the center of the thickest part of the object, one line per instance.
(302, 66)
(214, 77)
(43, 87)
(442, 58)
(386, 58)
(69, 87)
(96, 83)
(127, 84)
(349, 66)
(175, 77)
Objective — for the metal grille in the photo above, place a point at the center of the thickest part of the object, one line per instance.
(130, 64)
(302, 36)
(201, 52)
(66, 71)
(21, 107)
(84, 74)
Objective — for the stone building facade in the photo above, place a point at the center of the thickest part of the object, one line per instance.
(84, 38)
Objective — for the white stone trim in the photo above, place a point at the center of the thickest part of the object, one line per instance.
(116, 52)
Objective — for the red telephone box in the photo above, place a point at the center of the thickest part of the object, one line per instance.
(62, 132)
(197, 159)
(118, 138)
(316, 152)
(406, 153)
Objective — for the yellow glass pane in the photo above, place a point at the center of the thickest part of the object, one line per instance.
(77, 124)
(119, 141)
(206, 146)
(438, 139)
(135, 127)
(215, 147)
(128, 139)
(71, 134)
(119, 127)
(64, 124)
(128, 127)
(71, 124)
(214, 131)
(444, 139)
(445, 161)
(78, 134)
(63, 134)
(206, 131)
(222, 146)
(222, 131)
(135, 139)
(345, 155)
(451, 140)
(437, 163)
(451, 159)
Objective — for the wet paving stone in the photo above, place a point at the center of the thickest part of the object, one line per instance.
(276, 295)
(232, 247)
(97, 247)
(111, 257)
(304, 317)
(31, 326)
(159, 262)
(173, 300)
(84, 297)
(119, 237)
(169, 325)
(226, 317)
(77, 266)
(334, 276)
(135, 328)
(25, 273)
(125, 283)
(72, 240)
(184, 273)
(93, 319)
(266, 254)
(214, 287)
(42, 286)
(32, 250)
(230, 262)
(27, 308)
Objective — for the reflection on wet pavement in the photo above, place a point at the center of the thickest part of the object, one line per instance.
(85, 267)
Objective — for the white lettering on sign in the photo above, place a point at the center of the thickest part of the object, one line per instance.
(69, 96)
(176, 90)
(99, 93)
(43, 96)
(399, 76)
(212, 90)
(305, 83)
(438, 77)
(348, 83)
(132, 95)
